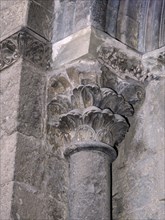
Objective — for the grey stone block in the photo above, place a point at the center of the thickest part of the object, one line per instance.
(47, 4)
(6, 200)
(40, 20)
(12, 16)
(29, 203)
(29, 161)
(9, 102)
(138, 172)
(31, 100)
(8, 146)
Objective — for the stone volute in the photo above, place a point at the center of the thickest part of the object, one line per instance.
(90, 120)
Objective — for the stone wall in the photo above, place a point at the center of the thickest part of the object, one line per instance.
(8, 139)
(138, 172)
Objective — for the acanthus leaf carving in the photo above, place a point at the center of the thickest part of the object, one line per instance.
(93, 123)
(94, 112)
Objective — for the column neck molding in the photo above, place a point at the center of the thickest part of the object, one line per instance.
(27, 44)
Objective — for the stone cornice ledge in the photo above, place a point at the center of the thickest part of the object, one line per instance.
(27, 44)
(125, 62)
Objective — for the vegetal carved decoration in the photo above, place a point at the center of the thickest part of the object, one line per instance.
(88, 112)
(120, 62)
(93, 124)
(24, 44)
(161, 58)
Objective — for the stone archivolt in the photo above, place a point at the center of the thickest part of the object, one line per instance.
(87, 113)
(27, 45)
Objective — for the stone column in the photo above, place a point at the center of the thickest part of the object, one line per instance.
(89, 189)
(89, 133)
(88, 110)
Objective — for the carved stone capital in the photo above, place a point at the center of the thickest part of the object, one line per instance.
(25, 43)
(90, 112)
(93, 124)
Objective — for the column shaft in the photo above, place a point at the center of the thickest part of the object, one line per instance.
(89, 189)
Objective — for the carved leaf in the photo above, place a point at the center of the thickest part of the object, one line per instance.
(70, 121)
(115, 102)
(91, 95)
(77, 98)
(119, 129)
(84, 132)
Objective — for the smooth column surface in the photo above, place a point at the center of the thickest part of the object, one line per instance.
(89, 189)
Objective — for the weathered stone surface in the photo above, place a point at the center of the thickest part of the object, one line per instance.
(91, 43)
(87, 108)
(111, 17)
(138, 172)
(12, 16)
(38, 182)
(89, 186)
(48, 4)
(27, 44)
(27, 204)
(9, 85)
(72, 16)
(153, 63)
(138, 24)
(84, 119)
(31, 101)
(6, 200)
(40, 171)
(29, 149)
(69, 49)
(119, 61)
(8, 146)
(40, 19)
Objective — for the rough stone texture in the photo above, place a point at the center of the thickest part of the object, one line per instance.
(7, 158)
(72, 16)
(89, 43)
(34, 173)
(69, 49)
(138, 172)
(12, 16)
(31, 188)
(31, 102)
(89, 186)
(139, 24)
(9, 85)
(41, 18)
(6, 192)
(27, 44)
